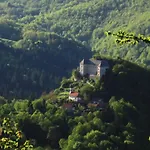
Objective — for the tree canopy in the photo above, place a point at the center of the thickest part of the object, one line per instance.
(124, 37)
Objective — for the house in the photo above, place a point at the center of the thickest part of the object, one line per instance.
(99, 104)
(93, 68)
(74, 96)
(68, 106)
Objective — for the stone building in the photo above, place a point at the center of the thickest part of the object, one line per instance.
(93, 68)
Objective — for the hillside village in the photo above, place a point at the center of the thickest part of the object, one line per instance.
(80, 89)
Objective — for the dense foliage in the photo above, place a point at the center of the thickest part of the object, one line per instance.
(41, 41)
(52, 30)
(85, 21)
(123, 124)
(37, 66)
(130, 38)
(11, 137)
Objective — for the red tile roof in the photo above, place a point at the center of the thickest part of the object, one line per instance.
(93, 105)
(68, 105)
(74, 94)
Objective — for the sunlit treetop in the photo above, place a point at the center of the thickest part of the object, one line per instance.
(125, 37)
(11, 138)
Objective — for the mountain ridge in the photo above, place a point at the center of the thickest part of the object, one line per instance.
(86, 22)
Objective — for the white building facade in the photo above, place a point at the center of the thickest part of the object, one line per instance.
(93, 67)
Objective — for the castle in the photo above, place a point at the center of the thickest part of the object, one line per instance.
(93, 68)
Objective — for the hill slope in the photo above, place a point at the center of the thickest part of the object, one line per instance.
(25, 24)
(85, 21)
(36, 66)
(54, 122)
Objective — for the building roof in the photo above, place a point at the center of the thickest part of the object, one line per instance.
(87, 61)
(93, 105)
(74, 94)
(95, 61)
(68, 105)
(100, 105)
(102, 63)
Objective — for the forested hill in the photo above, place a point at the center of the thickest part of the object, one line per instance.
(85, 20)
(54, 122)
(37, 66)
(41, 25)
(41, 41)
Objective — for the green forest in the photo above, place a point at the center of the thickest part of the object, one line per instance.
(41, 45)
(84, 21)
(29, 73)
(45, 123)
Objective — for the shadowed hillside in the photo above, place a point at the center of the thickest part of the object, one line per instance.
(122, 124)
(28, 73)
(128, 80)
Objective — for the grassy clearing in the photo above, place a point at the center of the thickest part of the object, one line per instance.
(63, 95)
